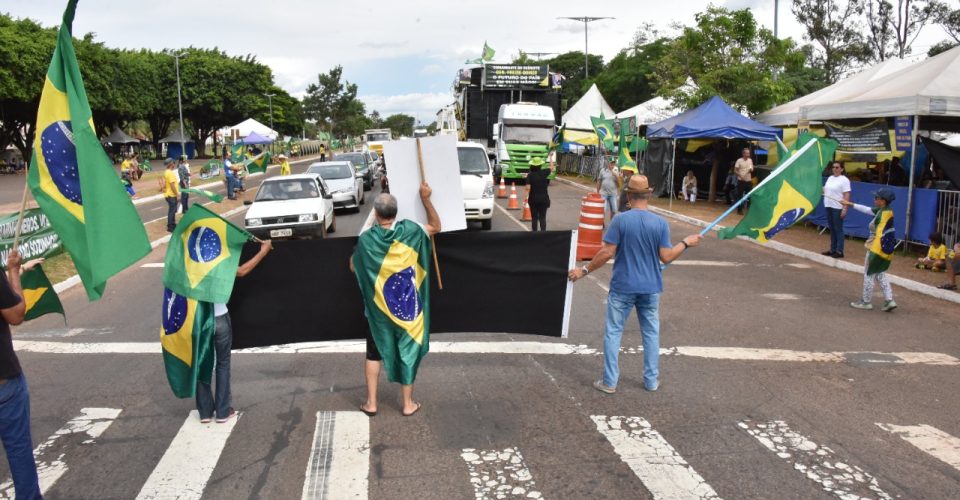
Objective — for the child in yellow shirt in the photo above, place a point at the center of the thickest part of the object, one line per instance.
(937, 255)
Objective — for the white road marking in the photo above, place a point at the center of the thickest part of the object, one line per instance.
(799, 266)
(515, 347)
(186, 466)
(929, 439)
(340, 458)
(782, 296)
(514, 219)
(818, 463)
(706, 263)
(657, 464)
(51, 464)
(153, 264)
(499, 474)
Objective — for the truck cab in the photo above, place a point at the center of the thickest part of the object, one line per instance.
(375, 138)
(523, 131)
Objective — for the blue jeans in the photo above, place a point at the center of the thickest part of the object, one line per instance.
(609, 204)
(172, 204)
(231, 187)
(184, 202)
(648, 311)
(222, 342)
(835, 223)
(15, 435)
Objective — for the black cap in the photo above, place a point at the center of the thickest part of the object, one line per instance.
(885, 194)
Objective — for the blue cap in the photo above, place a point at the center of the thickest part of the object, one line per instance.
(885, 194)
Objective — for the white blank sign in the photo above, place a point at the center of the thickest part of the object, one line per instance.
(441, 167)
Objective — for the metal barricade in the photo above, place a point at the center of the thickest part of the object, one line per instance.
(948, 216)
(586, 166)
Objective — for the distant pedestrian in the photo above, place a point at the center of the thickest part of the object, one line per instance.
(210, 404)
(183, 171)
(640, 240)
(880, 246)
(323, 152)
(284, 165)
(936, 259)
(730, 186)
(837, 187)
(537, 181)
(170, 186)
(396, 310)
(608, 188)
(14, 396)
(230, 177)
(689, 187)
(744, 170)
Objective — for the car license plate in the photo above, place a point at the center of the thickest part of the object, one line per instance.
(280, 233)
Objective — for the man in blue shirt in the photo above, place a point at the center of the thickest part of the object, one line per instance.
(640, 240)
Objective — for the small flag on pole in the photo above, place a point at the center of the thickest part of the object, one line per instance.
(38, 294)
(214, 197)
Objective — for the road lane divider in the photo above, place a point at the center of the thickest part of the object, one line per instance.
(340, 456)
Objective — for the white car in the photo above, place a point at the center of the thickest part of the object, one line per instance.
(476, 179)
(345, 183)
(292, 206)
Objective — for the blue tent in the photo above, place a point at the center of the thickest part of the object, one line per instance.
(713, 119)
(255, 138)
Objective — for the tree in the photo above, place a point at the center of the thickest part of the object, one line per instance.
(950, 23)
(834, 25)
(627, 79)
(400, 125)
(894, 27)
(25, 52)
(334, 106)
(570, 65)
(376, 121)
(432, 128)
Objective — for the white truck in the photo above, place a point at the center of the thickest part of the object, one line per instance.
(375, 137)
(523, 131)
(476, 180)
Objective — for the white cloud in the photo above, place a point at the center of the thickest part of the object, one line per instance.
(423, 106)
(433, 69)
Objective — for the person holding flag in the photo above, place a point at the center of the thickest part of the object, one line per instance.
(392, 265)
(880, 246)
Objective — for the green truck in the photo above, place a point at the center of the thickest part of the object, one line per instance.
(523, 132)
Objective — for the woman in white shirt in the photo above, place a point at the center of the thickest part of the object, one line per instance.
(690, 187)
(835, 189)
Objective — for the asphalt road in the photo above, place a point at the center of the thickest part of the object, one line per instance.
(772, 387)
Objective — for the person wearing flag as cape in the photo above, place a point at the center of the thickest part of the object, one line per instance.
(392, 265)
(880, 246)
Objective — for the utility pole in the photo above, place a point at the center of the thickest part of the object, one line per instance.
(586, 47)
(176, 57)
(270, 103)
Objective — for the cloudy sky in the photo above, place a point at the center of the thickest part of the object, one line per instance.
(402, 54)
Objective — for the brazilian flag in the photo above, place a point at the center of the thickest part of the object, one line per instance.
(38, 294)
(791, 192)
(236, 152)
(392, 270)
(186, 336)
(258, 163)
(557, 141)
(625, 159)
(604, 129)
(880, 252)
(73, 180)
(214, 197)
(203, 255)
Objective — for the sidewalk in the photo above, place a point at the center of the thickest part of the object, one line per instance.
(804, 236)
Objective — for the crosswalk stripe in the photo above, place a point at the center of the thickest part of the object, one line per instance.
(340, 457)
(51, 462)
(929, 439)
(188, 463)
(657, 464)
(816, 462)
(499, 474)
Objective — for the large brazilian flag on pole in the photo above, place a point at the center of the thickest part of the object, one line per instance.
(789, 193)
(73, 180)
(392, 268)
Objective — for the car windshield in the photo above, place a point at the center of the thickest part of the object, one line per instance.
(526, 134)
(287, 189)
(383, 136)
(472, 161)
(356, 158)
(331, 171)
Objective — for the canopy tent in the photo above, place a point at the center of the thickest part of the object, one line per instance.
(790, 113)
(119, 137)
(714, 119)
(652, 111)
(255, 138)
(576, 121)
(248, 127)
(173, 142)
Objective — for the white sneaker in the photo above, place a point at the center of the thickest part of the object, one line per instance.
(862, 305)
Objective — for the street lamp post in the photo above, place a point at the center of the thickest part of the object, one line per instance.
(270, 103)
(176, 57)
(586, 47)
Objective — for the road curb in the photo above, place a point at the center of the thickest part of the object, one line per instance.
(915, 286)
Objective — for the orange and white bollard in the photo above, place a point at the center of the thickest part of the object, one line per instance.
(502, 193)
(590, 228)
(526, 211)
(512, 202)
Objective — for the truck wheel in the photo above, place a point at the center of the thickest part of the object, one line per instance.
(485, 224)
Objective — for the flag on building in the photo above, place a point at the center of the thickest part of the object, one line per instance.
(258, 163)
(214, 197)
(604, 129)
(186, 336)
(791, 195)
(488, 52)
(38, 294)
(73, 180)
(884, 242)
(203, 255)
(392, 270)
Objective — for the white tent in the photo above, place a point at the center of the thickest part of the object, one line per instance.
(790, 113)
(249, 125)
(591, 104)
(652, 111)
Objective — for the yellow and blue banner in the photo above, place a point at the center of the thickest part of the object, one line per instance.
(69, 170)
(186, 336)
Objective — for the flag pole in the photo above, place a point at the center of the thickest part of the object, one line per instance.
(433, 245)
(777, 171)
(23, 207)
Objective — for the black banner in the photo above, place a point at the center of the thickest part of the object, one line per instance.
(871, 137)
(511, 282)
(513, 75)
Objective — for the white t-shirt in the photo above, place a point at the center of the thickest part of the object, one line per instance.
(219, 309)
(835, 186)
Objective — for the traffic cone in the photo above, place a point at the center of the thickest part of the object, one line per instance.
(526, 210)
(512, 202)
(590, 228)
(502, 193)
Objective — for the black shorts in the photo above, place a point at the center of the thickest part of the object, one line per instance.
(373, 354)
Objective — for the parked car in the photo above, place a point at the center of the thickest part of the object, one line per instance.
(292, 206)
(476, 180)
(361, 162)
(345, 183)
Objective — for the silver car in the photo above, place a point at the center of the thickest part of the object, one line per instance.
(345, 183)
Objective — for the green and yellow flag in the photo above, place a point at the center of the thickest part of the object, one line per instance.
(236, 152)
(487, 53)
(258, 163)
(203, 255)
(626, 160)
(790, 194)
(604, 129)
(73, 180)
(884, 242)
(556, 143)
(38, 294)
(214, 197)
(186, 336)
(392, 268)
